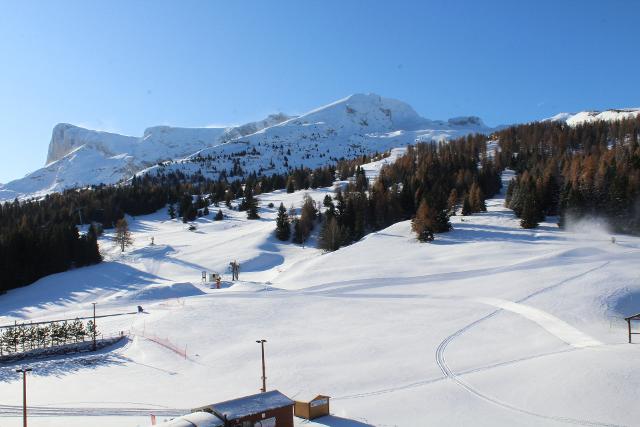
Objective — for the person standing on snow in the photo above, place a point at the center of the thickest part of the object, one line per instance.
(235, 269)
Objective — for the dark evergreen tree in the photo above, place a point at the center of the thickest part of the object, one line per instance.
(466, 205)
(331, 235)
(250, 204)
(530, 214)
(283, 225)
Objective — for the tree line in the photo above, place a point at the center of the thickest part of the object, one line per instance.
(426, 185)
(590, 170)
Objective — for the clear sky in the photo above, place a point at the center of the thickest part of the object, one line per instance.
(125, 65)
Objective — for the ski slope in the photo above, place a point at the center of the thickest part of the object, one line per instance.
(489, 325)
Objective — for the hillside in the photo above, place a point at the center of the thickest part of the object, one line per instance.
(356, 125)
(488, 325)
(79, 157)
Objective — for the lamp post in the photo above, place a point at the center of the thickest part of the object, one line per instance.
(264, 377)
(94, 326)
(24, 394)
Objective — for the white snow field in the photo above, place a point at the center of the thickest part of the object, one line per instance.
(489, 325)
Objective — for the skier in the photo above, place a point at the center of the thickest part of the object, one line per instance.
(140, 310)
(218, 281)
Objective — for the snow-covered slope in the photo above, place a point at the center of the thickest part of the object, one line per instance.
(356, 125)
(489, 325)
(79, 157)
(574, 119)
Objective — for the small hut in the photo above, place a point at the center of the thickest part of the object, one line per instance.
(310, 407)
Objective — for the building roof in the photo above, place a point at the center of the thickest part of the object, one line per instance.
(196, 419)
(249, 405)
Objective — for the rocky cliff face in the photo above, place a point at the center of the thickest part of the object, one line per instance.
(66, 137)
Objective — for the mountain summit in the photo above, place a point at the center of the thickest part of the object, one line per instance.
(356, 125)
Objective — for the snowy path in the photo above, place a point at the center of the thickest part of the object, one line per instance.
(553, 325)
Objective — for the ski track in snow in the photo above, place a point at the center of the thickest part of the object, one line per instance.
(551, 324)
(507, 305)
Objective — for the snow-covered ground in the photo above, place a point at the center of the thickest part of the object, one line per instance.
(488, 325)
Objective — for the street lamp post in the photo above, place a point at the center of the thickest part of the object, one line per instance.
(264, 377)
(24, 394)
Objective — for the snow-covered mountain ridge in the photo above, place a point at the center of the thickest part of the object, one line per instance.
(356, 125)
(79, 157)
(574, 119)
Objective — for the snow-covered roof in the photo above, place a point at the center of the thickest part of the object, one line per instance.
(254, 404)
(196, 419)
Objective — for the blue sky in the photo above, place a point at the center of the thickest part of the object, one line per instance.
(125, 65)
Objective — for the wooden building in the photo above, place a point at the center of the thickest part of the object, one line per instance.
(312, 407)
(269, 409)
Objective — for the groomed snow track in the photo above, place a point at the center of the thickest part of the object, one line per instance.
(446, 370)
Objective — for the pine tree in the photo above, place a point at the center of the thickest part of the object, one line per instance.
(250, 203)
(290, 185)
(530, 214)
(452, 201)
(283, 225)
(93, 251)
(476, 199)
(219, 216)
(123, 235)
(466, 205)
(92, 329)
(330, 208)
(171, 211)
(303, 226)
(422, 223)
(331, 235)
